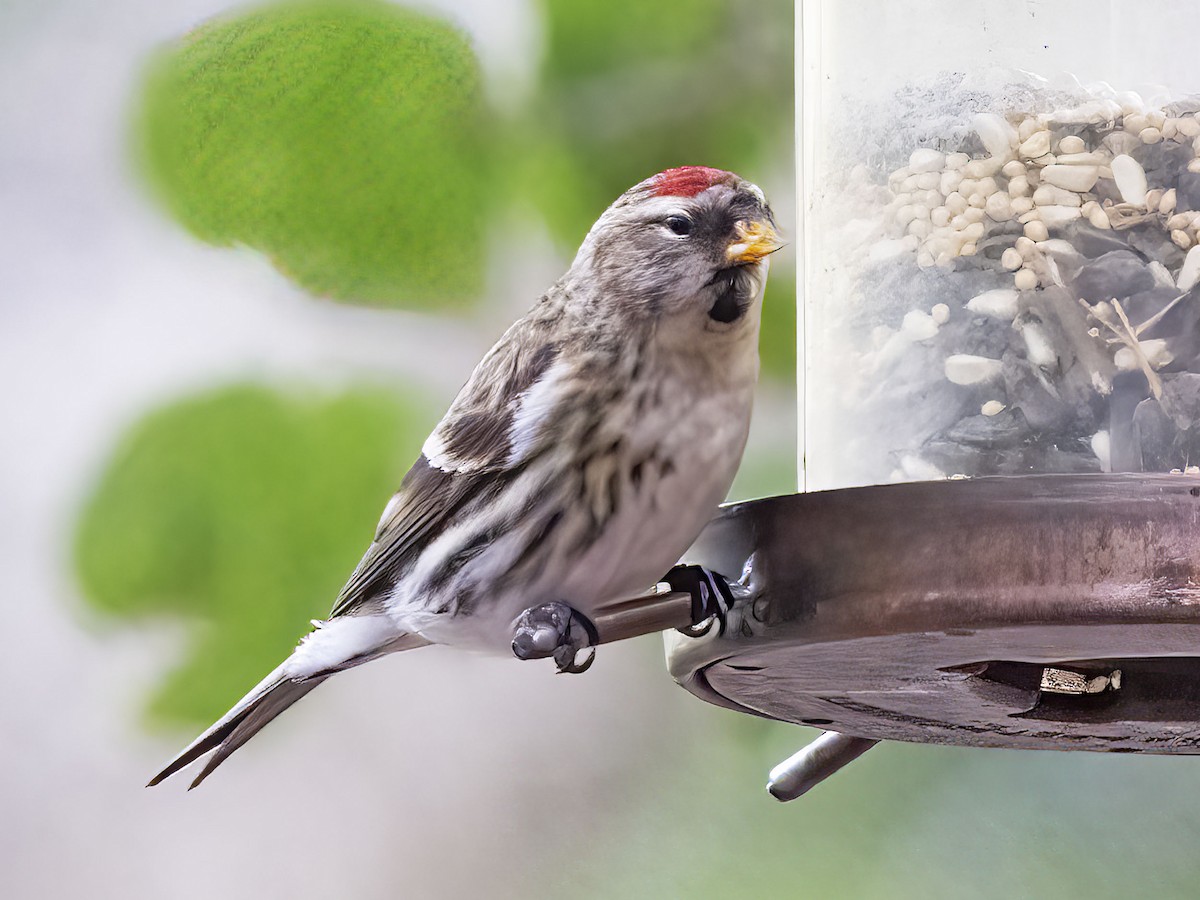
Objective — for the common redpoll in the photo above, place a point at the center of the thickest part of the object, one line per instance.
(582, 457)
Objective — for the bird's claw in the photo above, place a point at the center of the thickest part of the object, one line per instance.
(556, 630)
(711, 597)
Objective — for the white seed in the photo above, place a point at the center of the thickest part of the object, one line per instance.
(927, 181)
(1015, 167)
(1024, 246)
(1049, 195)
(1037, 146)
(940, 313)
(1039, 349)
(1135, 124)
(1025, 280)
(968, 249)
(1081, 159)
(1193, 165)
(1027, 128)
(1189, 272)
(1022, 205)
(940, 217)
(1155, 118)
(977, 199)
(962, 368)
(1156, 352)
(925, 259)
(1011, 259)
(994, 133)
(1018, 186)
(1126, 360)
(1088, 208)
(974, 231)
(1059, 215)
(1130, 178)
(933, 199)
(1102, 447)
(1071, 178)
(1099, 219)
(1188, 126)
(973, 214)
(999, 303)
(1036, 231)
(1058, 247)
(949, 182)
(909, 184)
(1166, 205)
(1170, 129)
(1150, 135)
(1071, 144)
(918, 325)
(956, 203)
(982, 168)
(992, 408)
(958, 160)
(926, 160)
(1153, 198)
(1178, 221)
(1181, 239)
(998, 206)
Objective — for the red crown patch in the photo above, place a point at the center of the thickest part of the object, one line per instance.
(687, 181)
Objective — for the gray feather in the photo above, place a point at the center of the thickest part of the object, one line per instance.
(270, 697)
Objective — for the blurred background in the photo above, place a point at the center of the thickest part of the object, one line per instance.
(249, 254)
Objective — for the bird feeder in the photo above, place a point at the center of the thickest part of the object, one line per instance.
(999, 542)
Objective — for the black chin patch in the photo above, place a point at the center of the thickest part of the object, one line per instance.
(728, 306)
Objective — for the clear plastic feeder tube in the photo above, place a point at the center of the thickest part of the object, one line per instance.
(1001, 234)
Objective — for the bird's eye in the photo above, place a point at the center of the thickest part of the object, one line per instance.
(680, 225)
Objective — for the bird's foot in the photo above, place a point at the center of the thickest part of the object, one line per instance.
(711, 597)
(557, 630)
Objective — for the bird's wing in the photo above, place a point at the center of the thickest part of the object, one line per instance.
(499, 421)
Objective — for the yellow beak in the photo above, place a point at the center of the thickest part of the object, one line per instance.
(753, 241)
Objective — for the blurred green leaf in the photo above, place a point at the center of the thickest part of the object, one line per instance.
(243, 511)
(631, 88)
(777, 341)
(344, 140)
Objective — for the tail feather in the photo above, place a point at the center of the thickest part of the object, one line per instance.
(240, 724)
(275, 693)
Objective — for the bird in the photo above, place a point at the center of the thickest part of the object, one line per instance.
(583, 456)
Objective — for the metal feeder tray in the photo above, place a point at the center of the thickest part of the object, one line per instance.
(1034, 612)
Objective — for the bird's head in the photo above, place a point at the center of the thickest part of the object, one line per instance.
(689, 245)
